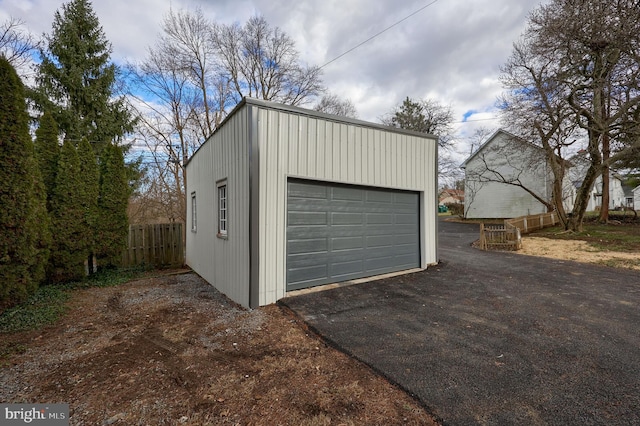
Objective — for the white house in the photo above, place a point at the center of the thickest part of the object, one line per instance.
(502, 176)
(579, 165)
(451, 196)
(636, 197)
(283, 198)
(617, 197)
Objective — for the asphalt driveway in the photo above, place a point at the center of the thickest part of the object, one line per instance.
(496, 338)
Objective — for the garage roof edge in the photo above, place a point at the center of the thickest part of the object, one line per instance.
(311, 113)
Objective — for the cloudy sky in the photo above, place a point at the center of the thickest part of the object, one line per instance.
(450, 51)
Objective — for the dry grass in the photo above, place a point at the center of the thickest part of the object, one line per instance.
(615, 244)
(579, 251)
(172, 350)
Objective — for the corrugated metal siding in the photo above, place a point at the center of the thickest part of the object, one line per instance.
(222, 262)
(294, 145)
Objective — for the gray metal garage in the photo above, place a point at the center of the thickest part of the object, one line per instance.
(282, 198)
(341, 232)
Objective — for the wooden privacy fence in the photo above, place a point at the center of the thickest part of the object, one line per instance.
(508, 235)
(158, 245)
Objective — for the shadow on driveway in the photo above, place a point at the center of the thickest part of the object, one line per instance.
(495, 338)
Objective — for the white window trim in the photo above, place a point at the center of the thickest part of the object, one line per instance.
(194, 213)
(223, 208)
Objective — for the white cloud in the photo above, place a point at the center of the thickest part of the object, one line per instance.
(451, 51)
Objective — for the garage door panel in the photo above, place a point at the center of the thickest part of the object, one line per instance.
(380, 231)
(344, 218)
(307, 218)
(346, 268)
(345, 243)
(407, 259)
(379, 241)
(381, 252)
(411, 239)
(400, 249)
(346, 194)
(343, 231)
(307, 190)
(380, 196)
(340, 232)
(405, 219)
(404, 198)
(379, 263)
(303, 276)
(311, 245)
(405, 229)
(382, 266)
(379, 219)
(350, 255)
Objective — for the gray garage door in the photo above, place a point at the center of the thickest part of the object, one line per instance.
(342, 232)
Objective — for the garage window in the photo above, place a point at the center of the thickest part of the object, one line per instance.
(222, 209)
(194, 221)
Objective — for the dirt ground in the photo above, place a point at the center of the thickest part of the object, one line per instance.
(172, 350)
(579, 251)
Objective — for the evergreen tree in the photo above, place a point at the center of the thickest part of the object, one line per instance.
(71, 240)
(24, 232)
(89, 193)
(41, 221)
(76, 80)
(424, 116)
(410, 115)
(47, 152)
(113, 223)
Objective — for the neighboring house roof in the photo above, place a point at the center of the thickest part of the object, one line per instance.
(491, 138)
(484, 144)
(455, 194)
(637, 188)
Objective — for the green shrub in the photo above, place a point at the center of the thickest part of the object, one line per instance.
(24, 223)
(455, 208)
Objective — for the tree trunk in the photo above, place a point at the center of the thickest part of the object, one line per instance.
(558, 196)
(582, 198)
(604, 207)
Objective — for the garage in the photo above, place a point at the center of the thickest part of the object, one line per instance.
(341, 232)
(281, 198)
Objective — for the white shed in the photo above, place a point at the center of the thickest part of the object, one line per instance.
(284, 198)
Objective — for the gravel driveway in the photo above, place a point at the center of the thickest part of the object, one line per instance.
(496, 338)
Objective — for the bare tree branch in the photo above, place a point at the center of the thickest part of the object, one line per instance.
(16, 44)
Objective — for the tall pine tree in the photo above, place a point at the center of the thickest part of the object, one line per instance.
(24, 231)
(72, 237)
(76, 80)
(113, 224)
(47, 152)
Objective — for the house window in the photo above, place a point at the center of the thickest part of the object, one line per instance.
(223, 211)
(194, 217)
